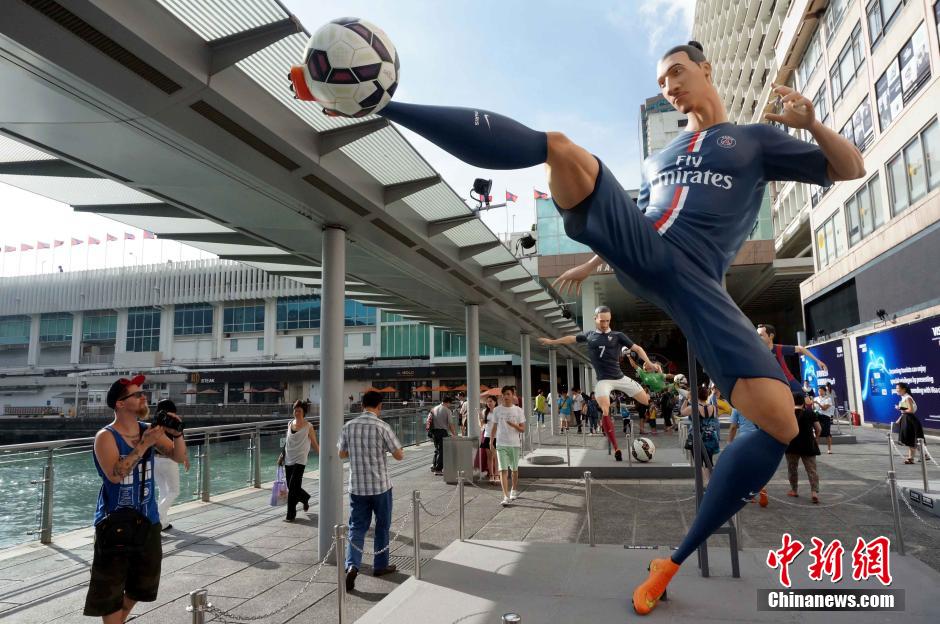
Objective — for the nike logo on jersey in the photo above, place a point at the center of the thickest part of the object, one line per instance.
(486, 118)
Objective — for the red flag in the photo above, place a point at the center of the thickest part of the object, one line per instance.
(9, 248)
(76, 241)
(149, 234)
(93, 241)
(41, 245)
(540, 195)
(58, 243)
(25, 247)
(128, 236)
(510, 197)
(111, 239)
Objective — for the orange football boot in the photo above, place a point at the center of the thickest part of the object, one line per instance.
(653, 588)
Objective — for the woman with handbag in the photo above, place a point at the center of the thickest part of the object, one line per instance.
(909, 428)
(300, 437)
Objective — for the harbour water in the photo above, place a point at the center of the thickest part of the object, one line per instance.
(76, 482)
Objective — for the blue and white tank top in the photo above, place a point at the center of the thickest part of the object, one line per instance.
(128, 493)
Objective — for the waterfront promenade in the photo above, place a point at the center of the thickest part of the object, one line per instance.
(252, 562)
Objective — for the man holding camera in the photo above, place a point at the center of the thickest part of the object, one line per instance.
(127, 555)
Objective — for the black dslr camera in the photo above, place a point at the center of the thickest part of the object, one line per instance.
(163, 418)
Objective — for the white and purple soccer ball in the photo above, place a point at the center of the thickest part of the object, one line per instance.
(643, 450)
(350, 68)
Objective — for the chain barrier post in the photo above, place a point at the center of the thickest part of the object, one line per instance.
(206, 474)
(511, 618)
(48, 478)
(630, 443)
(923, 463)
(890, 448)
(198, 603)
(567, 447)
(416, 510)
(339, 536)
(589, 507)
(896, 512)
(460, 493)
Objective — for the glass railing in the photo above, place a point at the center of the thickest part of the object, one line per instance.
(49, 488)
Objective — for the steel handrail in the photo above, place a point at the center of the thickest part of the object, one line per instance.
(57, 444)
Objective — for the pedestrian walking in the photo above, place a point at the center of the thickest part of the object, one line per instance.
(301, 436)
(909, 427)
(510, 424)
(366, 440)
(804, 446)
(825, 411)
(540, 407)
(440, 425)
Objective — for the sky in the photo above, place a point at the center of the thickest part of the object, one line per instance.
(583, 72)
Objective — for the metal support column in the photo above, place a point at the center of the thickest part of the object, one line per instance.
(256, 456)
(527, 384)
(569, 367)
(332, 294)
(697, 451)
(553, 389)
(473, 371)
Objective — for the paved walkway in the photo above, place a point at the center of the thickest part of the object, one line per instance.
(252, 562)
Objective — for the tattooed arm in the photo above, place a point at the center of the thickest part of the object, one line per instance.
(106, 451)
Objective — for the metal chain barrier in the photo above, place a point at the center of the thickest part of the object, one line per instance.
(642, 500)
(225, 616)
(929, 454)
(916, 515)
(900, 455)
(818, 506)
(443, 511)
(392, 540)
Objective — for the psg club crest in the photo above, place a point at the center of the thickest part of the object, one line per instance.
(727, 142)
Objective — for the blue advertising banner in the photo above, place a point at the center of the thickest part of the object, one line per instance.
(909, 354)
(833, 356)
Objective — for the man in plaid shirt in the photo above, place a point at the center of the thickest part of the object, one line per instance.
(365, 440)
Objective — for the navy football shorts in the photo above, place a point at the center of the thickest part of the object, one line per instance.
(652, 267)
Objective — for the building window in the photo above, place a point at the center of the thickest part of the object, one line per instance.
(299, 342)
(834, 15)
(55, 327)
(357, 314)
(860, 129)
(260, 344)
(367, 340)
(316, 341)
(405, 341)
(908, 170)
(452, 344)
(936, 14)
(864, 212)
(846, 67)
(830, 242)
(99, 325)
(192, 319)
(931, 140)
(903, 78)
(881, 14)
(143, 329)
(682, 123)
(239, 318)
(298, 312)
(14, 330)
(809, 63)
(233, 345)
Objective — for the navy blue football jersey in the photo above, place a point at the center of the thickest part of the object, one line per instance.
(704, 190)
(604, 351)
